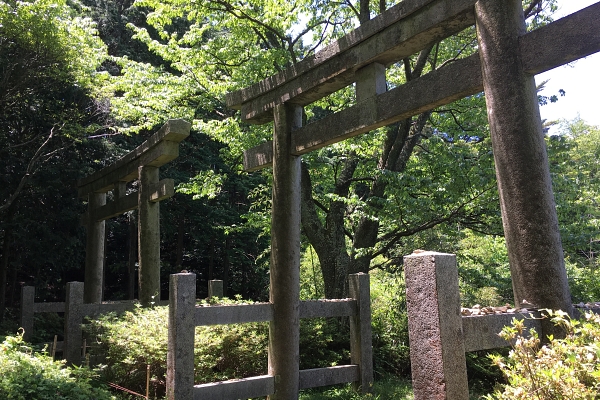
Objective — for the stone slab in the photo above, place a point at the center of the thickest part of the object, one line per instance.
(258, 386)
(318, 377)
(233, 314)
(481, 332)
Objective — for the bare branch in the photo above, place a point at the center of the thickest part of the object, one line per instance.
(529, 11)
(31, 167)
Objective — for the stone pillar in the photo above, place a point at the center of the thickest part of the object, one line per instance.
(524, 184)
(73, 320)
(215, 289)
(180, 345)
(94, 251)
(148, 238)
(437, 351)
(27, 311)
(370, 81)
(284, 329)
(361, 344)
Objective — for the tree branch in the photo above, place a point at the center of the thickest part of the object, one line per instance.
(531, 7)
(29, 171)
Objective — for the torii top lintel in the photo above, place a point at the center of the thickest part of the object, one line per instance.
(399, 32)
(158, 150)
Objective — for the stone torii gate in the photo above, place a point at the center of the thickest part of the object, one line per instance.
(504, 68)
(141, 164)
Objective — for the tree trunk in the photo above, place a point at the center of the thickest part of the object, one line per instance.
(329, 240)
(364, 13)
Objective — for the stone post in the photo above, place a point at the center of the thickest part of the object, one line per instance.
(524, 184)
(370, 81)
(27, 311)
(94, 251)
(73, 321)
(215, 289)
(148, 238)
(437, 351)
(284, 328)
(361, 347)
(180, 345)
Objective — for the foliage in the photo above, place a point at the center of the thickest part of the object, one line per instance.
(484, 273)
(49, 55)
(54, 33)
(311, 280)
(388, 387)
(139, 338)
(566, 368)
(27, 375)
(389, 321)
(574, 156)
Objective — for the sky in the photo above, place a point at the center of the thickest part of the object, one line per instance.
(580, 81)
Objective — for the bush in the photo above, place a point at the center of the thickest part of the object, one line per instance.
(389, 320)
(566, 368)
(26, 375)
(137, 339)
(127, 344)
(389, 387)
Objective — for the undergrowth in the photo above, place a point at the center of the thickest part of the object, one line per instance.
(566, 368)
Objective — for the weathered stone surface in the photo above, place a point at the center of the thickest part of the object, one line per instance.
(27, 311)
(370, 81)
(233, 314)
(327, 308)
(481, 332)
(563, 41)
(522, 170)
(437, 351)
(317, 377)
(284, 328)
(73, 319)
(366, 30)
(361, 348)
(180, 351)
(148, 237)
(257, 386)
(94, 251)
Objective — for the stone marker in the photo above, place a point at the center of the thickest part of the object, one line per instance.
(437, 352)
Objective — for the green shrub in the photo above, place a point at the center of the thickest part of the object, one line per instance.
(129, 343)
(26, 375)
(483, 269)
(566, 368)
(324, 342)
(389, 321)
(389, 387)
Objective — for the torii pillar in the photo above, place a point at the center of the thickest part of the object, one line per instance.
(284, 328)
(526, 198)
